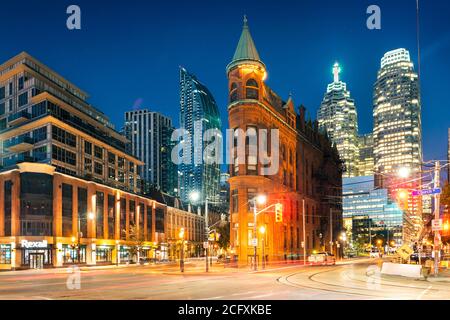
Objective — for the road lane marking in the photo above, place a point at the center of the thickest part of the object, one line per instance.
(419, 297)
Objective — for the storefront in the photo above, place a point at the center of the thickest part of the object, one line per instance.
(125, 254)
(104, 254)
(5, 256)
(35, 254)
(73, 255)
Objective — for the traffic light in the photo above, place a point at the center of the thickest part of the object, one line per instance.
(278, 212)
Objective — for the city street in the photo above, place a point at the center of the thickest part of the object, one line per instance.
(352, 280)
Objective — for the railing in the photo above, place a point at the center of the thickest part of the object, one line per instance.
(18, 159)
(18, 140)
(21, 114)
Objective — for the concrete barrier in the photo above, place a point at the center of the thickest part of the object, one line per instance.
(404, 270)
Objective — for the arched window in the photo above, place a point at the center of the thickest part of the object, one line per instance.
(252, 89)
(233, 92)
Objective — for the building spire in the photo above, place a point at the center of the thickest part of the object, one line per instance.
(246, 50)
(336, 71)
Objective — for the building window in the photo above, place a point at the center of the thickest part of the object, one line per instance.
(98, 168)
(21, 83)
(2, 108)
(111, 158)
(111, 173)
(88, 147)
(233, 92)
(64, 137)
(40, 134)
(23, 99)
(132, 211)
(252, 157)
(103, 254)
(5, 254)
(100, 200)
(234, 201)
(98, 152)
(2, 93)
(251, 194)
(111, 215)
(159, 220)
(252, 90)
(123, 218)
(36, 204)
(149, 222)
(7, 207)
(121, 163)
(87, 166)
(64, 155)
(67, 210)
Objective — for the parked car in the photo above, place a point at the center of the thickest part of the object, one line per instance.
(375, 253)
(323, 258)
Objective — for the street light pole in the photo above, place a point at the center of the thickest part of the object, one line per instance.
(207, 234)
(304, 233)
(331, 230)
(254, 233)
(437, 237)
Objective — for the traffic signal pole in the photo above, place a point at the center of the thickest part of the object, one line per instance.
(437, 238)
(304, 234)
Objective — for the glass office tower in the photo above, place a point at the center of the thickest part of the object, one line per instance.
(397, 131)
(338, 117)
(198, 113)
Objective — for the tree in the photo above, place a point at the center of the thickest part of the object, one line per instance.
(137, 238)
(224, 239)
(445, 196)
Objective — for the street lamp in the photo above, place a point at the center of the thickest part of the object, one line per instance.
(181, 236)
(261, 200)
(262, 230)
(404, 172)
(89, 216)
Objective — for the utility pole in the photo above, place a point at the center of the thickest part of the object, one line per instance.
(207, 234)
(331, 230)
(304, 234)
(437, 238)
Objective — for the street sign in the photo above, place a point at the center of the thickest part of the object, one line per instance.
(426, 192)
(205, 245)
(254, 242)
(436, 225)
(405, 251)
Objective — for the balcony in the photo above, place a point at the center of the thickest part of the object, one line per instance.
(19, 144)
(18, 118)
(20, 158)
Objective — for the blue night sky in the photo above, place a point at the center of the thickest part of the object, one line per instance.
(128, 52)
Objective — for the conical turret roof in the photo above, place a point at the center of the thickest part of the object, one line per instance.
(246, 50)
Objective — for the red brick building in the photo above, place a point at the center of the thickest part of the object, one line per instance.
(308, 176)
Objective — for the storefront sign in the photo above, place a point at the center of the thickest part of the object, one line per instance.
(33, 244)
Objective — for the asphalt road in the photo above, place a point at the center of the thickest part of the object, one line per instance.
(348, 281)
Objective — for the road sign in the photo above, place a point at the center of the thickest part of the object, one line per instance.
(205, 245)
(426, 192)
(254, 242)
(405, 251)
(436, 225)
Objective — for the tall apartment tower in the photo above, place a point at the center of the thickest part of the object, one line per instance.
(397, 131)
(150, 140)
(338, 117)
(198, 114)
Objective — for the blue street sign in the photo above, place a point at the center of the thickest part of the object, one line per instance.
(426, 192)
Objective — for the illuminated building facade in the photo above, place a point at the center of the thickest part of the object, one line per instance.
(371, 213)
(397, 129)
(366, 160)
(149, 134)
(308, 176)
(198, 113)
(69, 191)
(337, 117)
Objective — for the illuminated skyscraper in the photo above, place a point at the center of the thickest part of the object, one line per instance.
(366, 162)
(337, 116)
(198, 113)
(397, 127)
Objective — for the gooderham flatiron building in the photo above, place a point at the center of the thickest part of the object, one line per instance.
(309, 170)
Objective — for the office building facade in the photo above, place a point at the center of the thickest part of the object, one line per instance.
(337, 117)
(370, 215)
(397, 131)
